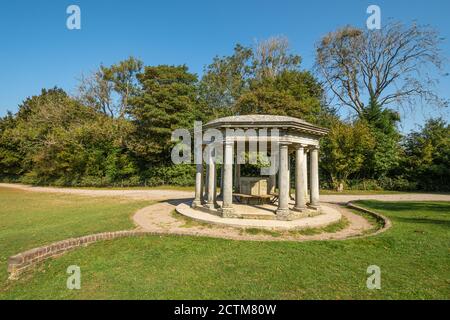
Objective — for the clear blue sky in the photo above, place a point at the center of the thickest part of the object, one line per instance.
(38, 51)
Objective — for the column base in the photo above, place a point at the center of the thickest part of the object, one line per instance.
(228, 212)
(315, 207)
(210, 205)
(284, 214)
(300, 209)
(196, 204)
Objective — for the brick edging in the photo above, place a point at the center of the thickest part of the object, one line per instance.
(24, 261)
(386, 222)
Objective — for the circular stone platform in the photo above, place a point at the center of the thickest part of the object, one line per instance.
(328, 216)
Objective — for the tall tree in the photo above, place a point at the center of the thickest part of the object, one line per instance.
(225, 79)
(291, 93)
(385, 155)
(345, 150)
(11, 155)
(124, 77)
(264, 79)
(109, 89)
(272, 57)
(96, 91)
(168, 101)
(389, 66)
(427, 160)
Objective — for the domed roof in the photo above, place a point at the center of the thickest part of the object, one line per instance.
(266, 121)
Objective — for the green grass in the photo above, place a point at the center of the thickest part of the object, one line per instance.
(358, 192)
(335, 227)
(29, 219)
(256, 231)
(413, 256)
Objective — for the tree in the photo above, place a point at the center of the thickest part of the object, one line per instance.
(386, 152)
(391, 65)
(168, 101)
(124, 77)
(344, 150)
(96, 91)
(427, 160)
(109, 89)
(291, 93)
(272, 57)
(53, 139)
(264, 79)
(11, 154)
(225, 79)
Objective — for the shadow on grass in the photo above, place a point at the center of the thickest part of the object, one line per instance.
(423, 207)
(445, 223)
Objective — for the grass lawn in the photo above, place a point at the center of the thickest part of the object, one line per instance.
(29, 219)
(413, 256)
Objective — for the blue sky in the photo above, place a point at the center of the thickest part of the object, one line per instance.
(38, 51)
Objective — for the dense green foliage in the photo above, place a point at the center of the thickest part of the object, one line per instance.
(428, 156)
(413, 257)
(117, 130)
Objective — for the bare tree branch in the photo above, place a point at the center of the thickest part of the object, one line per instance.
(391, 65)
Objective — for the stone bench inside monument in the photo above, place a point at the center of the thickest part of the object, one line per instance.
(253, 190)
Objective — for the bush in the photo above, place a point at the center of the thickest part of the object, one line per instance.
(397, 184)
(178, 175)
(366, 184)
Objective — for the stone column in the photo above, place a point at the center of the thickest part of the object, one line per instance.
(206, 182)
(272, 181)
(283, 183)
(198, 186)
(305, 176)
(300, 203)
(221, 181)
(227, 206)
(237, 168)
(272, 184)
(210, 202)
(314, 174)
(289, 174)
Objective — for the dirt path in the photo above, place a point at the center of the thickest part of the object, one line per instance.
(156, 194)
(159, 217)
(161, 194)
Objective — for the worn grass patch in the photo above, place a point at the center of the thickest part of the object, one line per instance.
(256, 231)
(188, 222)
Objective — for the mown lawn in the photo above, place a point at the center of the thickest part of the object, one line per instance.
(413, 256)
(29, 219)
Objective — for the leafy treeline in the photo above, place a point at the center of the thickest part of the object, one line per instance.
(116, 130)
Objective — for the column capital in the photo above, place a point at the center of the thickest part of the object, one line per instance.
(301, 146)
(313, 147)
(228, 142)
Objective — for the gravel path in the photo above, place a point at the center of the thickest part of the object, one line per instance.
(159, 217)
(156, 194)
(161, 194)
